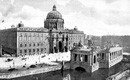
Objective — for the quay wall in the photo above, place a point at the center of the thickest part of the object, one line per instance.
(119, 76)
(32, 71)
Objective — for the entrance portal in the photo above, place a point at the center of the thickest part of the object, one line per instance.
(55, 50)
(66, 49)
(60, 46)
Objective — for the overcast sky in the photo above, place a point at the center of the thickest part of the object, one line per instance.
(95, 17)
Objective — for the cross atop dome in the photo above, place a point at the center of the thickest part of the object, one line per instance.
(54, 7)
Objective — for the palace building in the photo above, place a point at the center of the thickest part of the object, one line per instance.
(52, 38)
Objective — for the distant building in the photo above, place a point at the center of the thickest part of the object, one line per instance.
(53, 38)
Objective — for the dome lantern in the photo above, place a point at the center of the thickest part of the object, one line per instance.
(54, 14)
(54, 8)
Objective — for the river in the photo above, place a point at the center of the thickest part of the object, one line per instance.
(100, 74)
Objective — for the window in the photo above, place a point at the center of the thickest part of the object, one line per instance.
(86, 58)
(103, 55)
(41, 49)
(25, 45)
(29, 50)
(37, 44)
(20, 51)
(21, 45)
(37, 50)
(94, 59)
(20, 36)
(33, 50)
(25, 51)
(110, 56)
(30, 45)
(34, 44)
(41, 44)
(75, 57)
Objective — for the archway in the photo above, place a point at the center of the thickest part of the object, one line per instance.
(60, 46)
(66, 49)
(80, 69)
(55, 50)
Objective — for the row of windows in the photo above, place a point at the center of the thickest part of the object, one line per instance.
(115, 54)
(33, 34)
(33, 38)
(31, 44)
(76, 35)
(75, 38)
(112, 55)
(32, 50)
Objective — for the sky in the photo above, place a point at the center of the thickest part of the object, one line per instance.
(94, 17)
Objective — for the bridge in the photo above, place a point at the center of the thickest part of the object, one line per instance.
(84, 59)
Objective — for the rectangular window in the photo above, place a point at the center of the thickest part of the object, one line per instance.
(30, 45)
(29, 50)
(33, 50)
(37, 50)
(25, 51)
(37, 44)
(86, 58)
(41, 49)
(75, 57)
(20, 51)
(25, 45)
(21, 45)
(34, 44)
(41, 44)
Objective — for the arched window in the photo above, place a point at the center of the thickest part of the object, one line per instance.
(75, 57)
(103, 55)
(94, 59)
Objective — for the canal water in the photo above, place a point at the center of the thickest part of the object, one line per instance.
(100, 74)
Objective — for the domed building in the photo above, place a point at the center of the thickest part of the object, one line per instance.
(52, 38)
(61, 40)
(54, 20)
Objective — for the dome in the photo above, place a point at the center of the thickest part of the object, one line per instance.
(54, 14)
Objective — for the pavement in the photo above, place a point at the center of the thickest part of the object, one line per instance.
(19, 62)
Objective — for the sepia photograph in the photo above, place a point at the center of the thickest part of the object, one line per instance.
(64, 39)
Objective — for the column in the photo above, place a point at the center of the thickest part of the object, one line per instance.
(62, 46)
(89, 59)
(57, 46)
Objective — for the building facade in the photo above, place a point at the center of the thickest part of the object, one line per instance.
(110, 56)
(24, 41)
(53, 38)
(85, 58)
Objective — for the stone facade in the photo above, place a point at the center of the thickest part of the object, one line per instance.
(53, 38)
(84, 58)
(110, 56)
(62, 39)
(24, 41)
